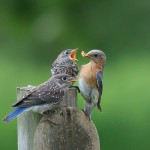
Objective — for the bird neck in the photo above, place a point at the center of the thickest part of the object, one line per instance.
(98, 65)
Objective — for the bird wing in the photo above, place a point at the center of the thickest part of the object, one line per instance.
(45, 93)
(100, 88)
(99, 82)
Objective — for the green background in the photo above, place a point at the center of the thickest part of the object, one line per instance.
(33, 33)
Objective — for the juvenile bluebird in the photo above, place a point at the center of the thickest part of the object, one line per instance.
(66, 63)
(90, 80)
(43, 97)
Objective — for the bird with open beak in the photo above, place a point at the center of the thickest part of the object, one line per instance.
(90, 80)
(66, 63)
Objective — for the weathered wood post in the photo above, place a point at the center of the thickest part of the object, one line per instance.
(27, 123)
(70, 128)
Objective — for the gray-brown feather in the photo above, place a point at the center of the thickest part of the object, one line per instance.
(46, 93)
(64, 64)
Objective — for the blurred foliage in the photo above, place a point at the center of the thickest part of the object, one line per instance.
(32, 34)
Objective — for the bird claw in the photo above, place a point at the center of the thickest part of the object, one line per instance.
(85, 114)
(83, 111)
(76, 88)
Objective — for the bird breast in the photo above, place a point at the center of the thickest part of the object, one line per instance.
(88, 73)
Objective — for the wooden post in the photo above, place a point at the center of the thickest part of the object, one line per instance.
(27, 123)
(64, 128)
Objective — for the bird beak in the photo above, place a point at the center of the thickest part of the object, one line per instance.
(72, 79)
(73, 55)
(86, 55)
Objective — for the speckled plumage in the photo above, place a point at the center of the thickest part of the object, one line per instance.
(64, 64)
(43, 97)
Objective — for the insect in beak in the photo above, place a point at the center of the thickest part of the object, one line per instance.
(86, 55)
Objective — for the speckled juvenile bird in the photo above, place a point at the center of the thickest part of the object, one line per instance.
(90, 80)
(66, 63)
(43, 97)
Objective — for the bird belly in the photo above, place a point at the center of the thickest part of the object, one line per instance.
(90, 94)
(42, 108)
(85, 90)
(95, 96)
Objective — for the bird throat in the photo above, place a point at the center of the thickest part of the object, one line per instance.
(94, 65)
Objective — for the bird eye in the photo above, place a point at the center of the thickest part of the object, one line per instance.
(64, 78)
(66, 52)
(95, 55)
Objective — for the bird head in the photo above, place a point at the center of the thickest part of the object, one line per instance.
(96, 56)
(64, 80)
(69, 53)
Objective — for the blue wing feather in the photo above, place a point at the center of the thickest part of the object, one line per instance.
(100, 88)
(99, 82)
(14, 114)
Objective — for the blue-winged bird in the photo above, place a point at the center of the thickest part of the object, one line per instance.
(90, 80)
(44, 97)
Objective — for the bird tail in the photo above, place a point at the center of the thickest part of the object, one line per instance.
(14, 114)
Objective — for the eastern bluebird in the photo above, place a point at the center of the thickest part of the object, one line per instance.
(66, 63)
(90, 80)
(43, 97)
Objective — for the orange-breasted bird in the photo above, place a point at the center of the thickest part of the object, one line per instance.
(90, 80)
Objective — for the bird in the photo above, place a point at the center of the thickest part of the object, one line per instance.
(90, 80)
(66, 63)
(45, 96)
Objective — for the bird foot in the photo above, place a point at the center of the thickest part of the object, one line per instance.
(76, 88)
(86, 114)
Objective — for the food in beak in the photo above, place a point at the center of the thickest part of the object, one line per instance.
(85, 55)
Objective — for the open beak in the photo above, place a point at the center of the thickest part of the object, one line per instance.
(73, 55)
(86, 55)
(72, 79)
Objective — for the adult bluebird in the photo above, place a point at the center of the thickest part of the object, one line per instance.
(43, 97)
(66, 63)
(90, 80)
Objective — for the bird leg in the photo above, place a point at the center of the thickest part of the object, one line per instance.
(86, 114)
(83, 111)
(88, 109)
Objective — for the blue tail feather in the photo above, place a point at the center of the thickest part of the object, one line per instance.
(14, 114)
